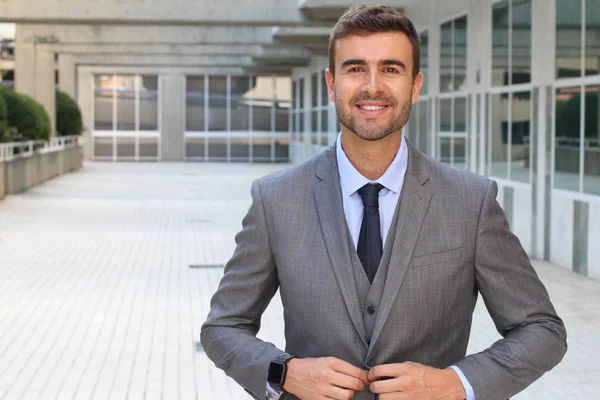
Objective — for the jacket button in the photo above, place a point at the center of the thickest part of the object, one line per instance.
(370, 310)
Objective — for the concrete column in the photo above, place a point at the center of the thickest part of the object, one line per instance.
(433, 28)
(45, 89)
(543, 65)
(172, 117)
(34, 77)
(67, 74)
(85, 99)
(479, 71)
(25, 57)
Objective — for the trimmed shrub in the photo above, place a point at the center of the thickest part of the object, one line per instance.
(26, 115)
(3, 120)
(68, 115)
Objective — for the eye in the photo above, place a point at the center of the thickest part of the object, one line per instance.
(391, 70)
(354, 69)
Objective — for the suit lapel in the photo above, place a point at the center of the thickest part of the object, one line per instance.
(328, 200)
(413, 204)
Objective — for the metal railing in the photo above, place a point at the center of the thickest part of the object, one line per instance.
(12, 150)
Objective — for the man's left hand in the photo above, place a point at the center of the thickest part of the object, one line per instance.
(411, 380)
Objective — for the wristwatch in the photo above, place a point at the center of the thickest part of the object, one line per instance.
(277, 372)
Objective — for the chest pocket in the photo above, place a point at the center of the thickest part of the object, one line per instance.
(437, 258)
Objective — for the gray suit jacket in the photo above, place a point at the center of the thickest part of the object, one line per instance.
(451, 242)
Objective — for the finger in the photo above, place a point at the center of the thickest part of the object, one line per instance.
(346, 368)
(403, 384)
(347, 382)
(385, 371)
(387, 386)
(338, 393)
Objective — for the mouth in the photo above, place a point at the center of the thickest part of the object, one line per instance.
(372, 110)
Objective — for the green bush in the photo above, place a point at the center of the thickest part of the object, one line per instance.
(3, 120)
(26, 115)
(68, 115)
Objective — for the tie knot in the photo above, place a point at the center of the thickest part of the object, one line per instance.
(370, 194)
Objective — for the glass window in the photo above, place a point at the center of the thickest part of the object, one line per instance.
(217, 106)
(499, 136)
(500, 43)
(521, 41)
(459, 156)
(423, 130)
(301, 98)
(314, 118)
(424, 62)
(411, 133)
(446, 115)
(324, 92)
(568, 38)
(240, 148)
(453, 55)
(324, 128)
(294, 106)
(282, 104)
(460, 54)
(103, 102)
(445, 150)
(125, 86)
(148, 86)
(592, 37)
(567, 138)
(242, 88)
(591, 147)
(195, 104)
(261, 94)
(446, 81)
(314, 90)
(460, 114)
(301, 110)
(520, 136)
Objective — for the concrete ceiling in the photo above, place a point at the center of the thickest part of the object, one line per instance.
(274, 37)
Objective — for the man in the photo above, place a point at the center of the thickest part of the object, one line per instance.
(379, 253)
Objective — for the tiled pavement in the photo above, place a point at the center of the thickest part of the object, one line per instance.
(98, 300)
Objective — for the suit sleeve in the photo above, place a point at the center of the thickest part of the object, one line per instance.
(534, 337)
(249, 282)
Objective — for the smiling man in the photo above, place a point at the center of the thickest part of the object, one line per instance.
(379, 253)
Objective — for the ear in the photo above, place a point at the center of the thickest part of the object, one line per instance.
(330, 88)
(416, 87)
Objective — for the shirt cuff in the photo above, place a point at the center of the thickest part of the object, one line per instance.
(463, 379)
(274, 393)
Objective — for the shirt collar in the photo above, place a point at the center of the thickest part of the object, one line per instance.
(352, 180)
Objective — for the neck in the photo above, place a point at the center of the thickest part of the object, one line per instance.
(371, 158)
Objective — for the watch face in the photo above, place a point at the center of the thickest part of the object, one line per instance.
(276, 373)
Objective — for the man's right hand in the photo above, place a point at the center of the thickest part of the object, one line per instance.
(323, 378)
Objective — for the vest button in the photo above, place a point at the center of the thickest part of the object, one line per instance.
(370, 310)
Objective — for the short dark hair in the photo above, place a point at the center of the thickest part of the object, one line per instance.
(363, 20)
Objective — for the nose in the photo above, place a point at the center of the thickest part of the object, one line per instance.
(373, 84)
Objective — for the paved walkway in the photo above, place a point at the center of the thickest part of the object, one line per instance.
(98, 300)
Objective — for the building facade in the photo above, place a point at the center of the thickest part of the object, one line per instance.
(510, 92)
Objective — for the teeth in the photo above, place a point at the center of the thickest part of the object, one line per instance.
(372, 108)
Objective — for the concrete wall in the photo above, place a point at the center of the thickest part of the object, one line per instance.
(2, 180)
(20, 174)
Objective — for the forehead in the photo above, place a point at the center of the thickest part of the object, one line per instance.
(375, 46)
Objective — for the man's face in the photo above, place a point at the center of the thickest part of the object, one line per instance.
(373, 88)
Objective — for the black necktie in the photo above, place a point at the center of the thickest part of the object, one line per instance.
(369, 242)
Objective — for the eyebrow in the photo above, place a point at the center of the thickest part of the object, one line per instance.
(382, 62)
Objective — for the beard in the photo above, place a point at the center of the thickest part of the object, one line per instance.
(369, 129)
